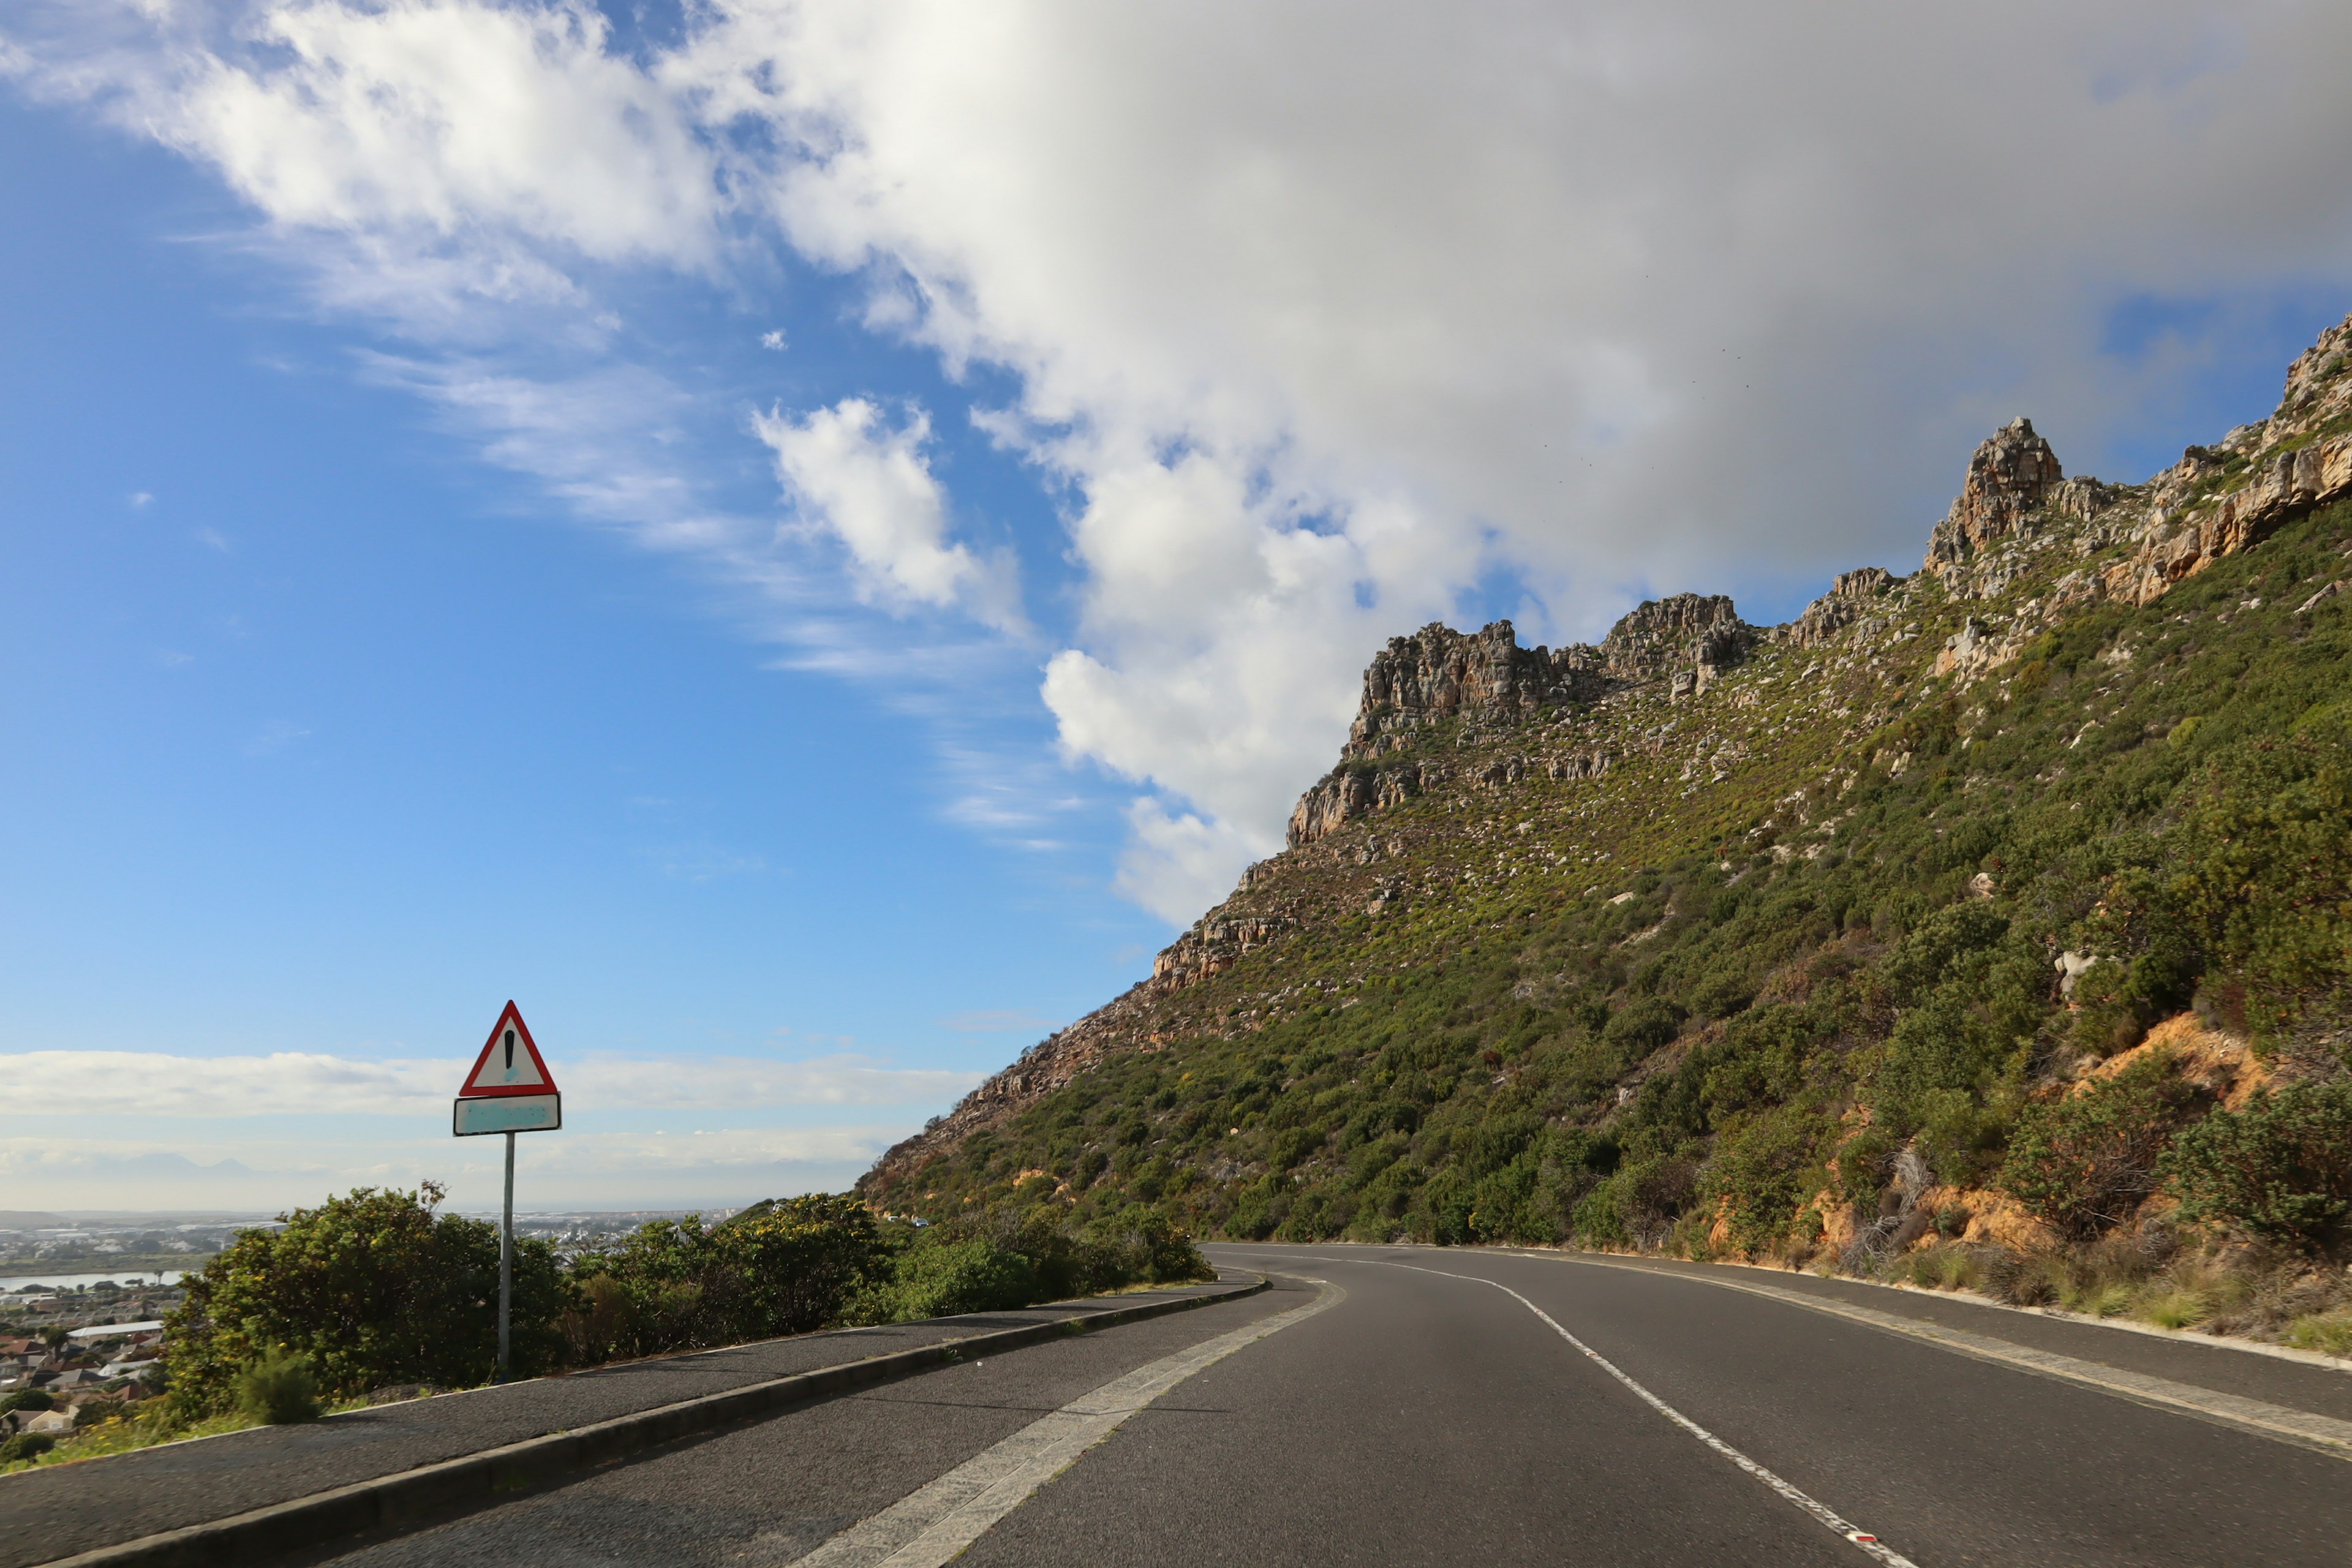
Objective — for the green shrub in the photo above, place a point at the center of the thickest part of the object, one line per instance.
(375, 1289)
(787, 1266)
(26, 1445)
(2330, 1334)
(1642, 1027)
(2177, 1309)
(278, 1389)
(939, 1279)
(29, 1399)
(2085, 1162)
(2279, 1169)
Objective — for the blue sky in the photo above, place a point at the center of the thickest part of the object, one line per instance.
(803, 553)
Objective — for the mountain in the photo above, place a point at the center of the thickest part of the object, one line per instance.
(1771, 940)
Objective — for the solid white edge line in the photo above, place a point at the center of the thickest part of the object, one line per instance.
(2278, 1423)
(1821, 1513)
(936, 1522)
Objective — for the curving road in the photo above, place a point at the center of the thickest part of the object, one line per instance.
(1412, 1406)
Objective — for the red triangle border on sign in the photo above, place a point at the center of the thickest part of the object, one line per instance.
(472, 1090)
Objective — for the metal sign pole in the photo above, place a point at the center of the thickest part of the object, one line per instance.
(506, 1260)
(510, 1092)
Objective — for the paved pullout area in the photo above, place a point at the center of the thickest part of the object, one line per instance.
(59, 1510)
(1455, 1406)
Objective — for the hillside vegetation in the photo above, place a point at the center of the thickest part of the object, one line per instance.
(1991, 925)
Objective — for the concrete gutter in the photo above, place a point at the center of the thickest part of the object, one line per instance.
(413, 1498)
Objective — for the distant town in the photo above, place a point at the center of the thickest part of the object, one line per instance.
(83, 1299)
(76, 1249)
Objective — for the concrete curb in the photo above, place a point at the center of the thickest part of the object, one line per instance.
(414, 1497)
(1974, 1299)
(2303, 1428)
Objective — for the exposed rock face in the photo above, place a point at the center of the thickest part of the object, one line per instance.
(1211, 947)
(1354, 790)
(2287, 484)
(2012, 471)
(1839, 608)
(1688, 630)
(2298, 459)
(1439, 673)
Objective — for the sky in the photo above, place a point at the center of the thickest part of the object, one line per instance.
(802, 543)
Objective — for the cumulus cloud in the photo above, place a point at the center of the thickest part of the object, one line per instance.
(1323, 326)
(1178, 863)
(1607, 296)
(141, 1083)
(871, 487)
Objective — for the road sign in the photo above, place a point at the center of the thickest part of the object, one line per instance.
(509, 1062)
(509, 1091)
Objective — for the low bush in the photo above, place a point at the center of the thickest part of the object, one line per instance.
(935, 1277)
(373, 1288)
(2330, 1334)
(2083, 1162)
(278, 1389)
(1944, 1268)
(2280, 1170)
(26, 1445)
(2175, 1308)
(784, 1267)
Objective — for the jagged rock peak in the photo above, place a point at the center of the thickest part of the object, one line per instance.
(2316, 382)
(2013, 470)
(1437, 673)
(1683, 629)
(1839, 608)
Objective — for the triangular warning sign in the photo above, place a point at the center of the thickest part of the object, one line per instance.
(509, 1062)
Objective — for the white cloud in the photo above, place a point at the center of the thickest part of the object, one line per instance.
(872, 488)
(773, 339)
(1604, 295)
(573, 1168)
(430, 120)
(141, 1083)
(1321, 330)
(1177, 864)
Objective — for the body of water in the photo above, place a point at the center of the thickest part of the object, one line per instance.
(78, 1282)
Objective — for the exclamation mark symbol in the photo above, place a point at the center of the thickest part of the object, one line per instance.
(511, 1055)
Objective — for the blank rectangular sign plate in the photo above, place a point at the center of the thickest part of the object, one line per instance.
(508, 1113)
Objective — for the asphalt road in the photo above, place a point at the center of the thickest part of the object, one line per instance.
(1428, 1416)
(59, 1510)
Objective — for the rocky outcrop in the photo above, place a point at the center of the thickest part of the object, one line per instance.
(1849, 597)
(1354, 790)
(2218, 500)
(2286, 483)
(1438, 673)
(2013, 472)
(1212, 947)
(1689, 631)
